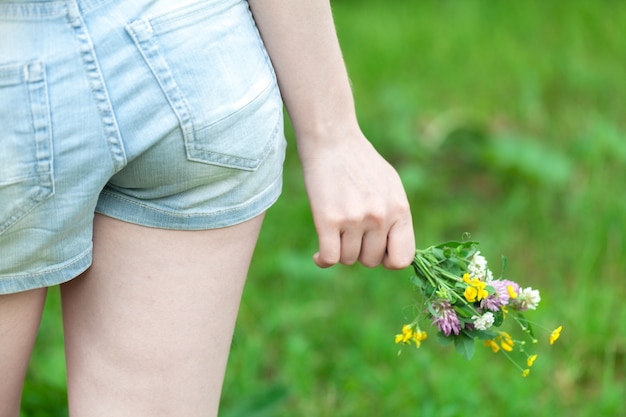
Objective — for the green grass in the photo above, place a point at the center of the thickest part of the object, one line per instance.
(505, 120)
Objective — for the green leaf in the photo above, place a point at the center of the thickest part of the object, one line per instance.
(498, 318)
(438, 253)
(432, 311)
(452, 249)
(464, 344)
(455, 244)
(418, 282)
(443, 339)
(463, 312)
(423, 286)
(455, 269)
(458, 262)
(480, 334)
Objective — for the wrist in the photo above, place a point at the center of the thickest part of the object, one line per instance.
(327, 134)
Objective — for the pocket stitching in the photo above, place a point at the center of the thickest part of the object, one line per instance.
(167, 21)
(144, 35)
(253, 162)
(41, 184)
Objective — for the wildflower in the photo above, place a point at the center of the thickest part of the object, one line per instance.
(499, 298)
(460, 296)
(512, 288)
(528, 299)
(511, 291)
(506, 342)
(493, 345)
(406, 335)
(555, 334)
(478, 268)
(483, 322)
(505, 311)
(419, 336)
(475, 290)
(445, 318)
(409, 334)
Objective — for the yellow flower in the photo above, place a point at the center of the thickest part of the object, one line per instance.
(505, 311)
(506, 342)
(475, 290)
(511, 291)
(470, 294)
(419, 336)
(525, 373)
(408, 334)
(493, 345)
(555, 334)
(531, 360)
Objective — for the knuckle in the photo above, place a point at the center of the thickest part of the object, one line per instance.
(402, 208)
(377, 217)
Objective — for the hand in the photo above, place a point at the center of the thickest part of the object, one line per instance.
(359, 205)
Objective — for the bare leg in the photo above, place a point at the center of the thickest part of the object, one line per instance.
(20, 316)
(148, 327)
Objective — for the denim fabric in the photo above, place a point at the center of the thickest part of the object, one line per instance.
(163, 113)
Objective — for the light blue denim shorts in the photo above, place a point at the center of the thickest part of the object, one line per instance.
(163, 113)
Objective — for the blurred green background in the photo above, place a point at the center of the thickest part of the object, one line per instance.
(506, 120)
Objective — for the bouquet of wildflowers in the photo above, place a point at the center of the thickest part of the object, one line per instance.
(460, 296)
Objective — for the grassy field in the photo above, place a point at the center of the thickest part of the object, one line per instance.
(506, 120)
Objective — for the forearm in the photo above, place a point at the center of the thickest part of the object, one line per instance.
(300, 38)
(359, 207)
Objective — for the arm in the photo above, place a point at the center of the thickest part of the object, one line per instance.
(358, 203)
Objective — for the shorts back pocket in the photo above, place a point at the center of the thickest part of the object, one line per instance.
(26, 156)
(211, 64)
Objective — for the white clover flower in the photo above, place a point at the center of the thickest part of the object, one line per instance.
(483, 322)
(477, 268)
(528, 298)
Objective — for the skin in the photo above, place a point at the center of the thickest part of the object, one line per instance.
(148, 326)
(359, 206)
(20, 316)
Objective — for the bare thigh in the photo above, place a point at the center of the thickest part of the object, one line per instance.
(148, 327)
(20, 315)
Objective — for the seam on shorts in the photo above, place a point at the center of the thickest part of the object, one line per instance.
(56, 275)
(98, 87)
(264, 199)
(59, 267)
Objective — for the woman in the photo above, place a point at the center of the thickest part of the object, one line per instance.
(153, 128)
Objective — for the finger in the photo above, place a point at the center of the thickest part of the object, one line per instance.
(373, 248)
(351, 246)
(329, 249)
(400, 246)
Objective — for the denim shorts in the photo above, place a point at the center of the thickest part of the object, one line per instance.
(162, 113)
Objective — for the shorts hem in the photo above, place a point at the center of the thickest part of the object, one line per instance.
(58, 274)
(136, 211)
